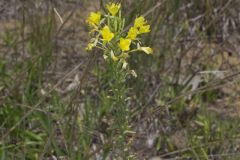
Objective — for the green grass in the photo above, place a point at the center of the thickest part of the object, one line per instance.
(38, 121)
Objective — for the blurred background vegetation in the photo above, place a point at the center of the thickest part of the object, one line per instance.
(184, 104)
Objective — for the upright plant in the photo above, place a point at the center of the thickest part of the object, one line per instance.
(108, 33)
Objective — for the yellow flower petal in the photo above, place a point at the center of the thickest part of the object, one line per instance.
(140, 21)
(106, 34)
(144, 29)
(147, 50)
(113, 8)
(125, 44)
(132, 33)
(94, 18)
(141, 25)
(90, 47)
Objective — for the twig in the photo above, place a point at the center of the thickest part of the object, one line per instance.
(60, 18)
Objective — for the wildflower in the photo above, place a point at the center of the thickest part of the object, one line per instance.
(94, 18)
(107, 34)
(144, 29)
(125, 44)
(139, 22)
(90, 46)
(113, 8)
(114, 58)
(132, 33)
(141, 25)
(102, 33)
(147, 50)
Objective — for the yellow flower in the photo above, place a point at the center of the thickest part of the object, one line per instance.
(132, 33)
(125, 44)
(144, 29)
(147, 50)
(139, 22)
(113, 8)
(141, 25)
(90, 46)
(107, 34)
(94, 19)
(114, 58)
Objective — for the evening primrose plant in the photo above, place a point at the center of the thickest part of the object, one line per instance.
(108, 34)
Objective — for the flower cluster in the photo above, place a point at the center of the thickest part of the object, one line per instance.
(109, 35)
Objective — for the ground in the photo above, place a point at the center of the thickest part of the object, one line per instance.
(184, 101)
